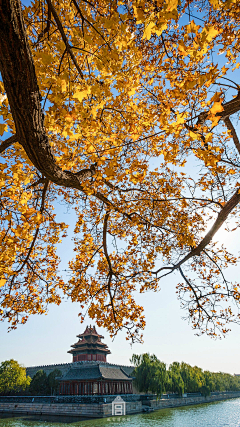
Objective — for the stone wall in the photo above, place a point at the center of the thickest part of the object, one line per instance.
(101, 410)
(53, 409)
(73, 410)
(186, 401)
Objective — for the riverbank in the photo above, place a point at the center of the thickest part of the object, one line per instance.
(218, 414)
(99, 407)
(155, 404)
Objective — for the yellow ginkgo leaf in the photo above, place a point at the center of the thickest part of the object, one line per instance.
(172, 4)
(192, 27)
(132, 91)
(135, 137)
(148, 30)
(193, 135)
(216, 97)
(2, 98)
(215, 3)
(216, 108)
(3, 128)
(161, 29)
(63, 85)
(80, 95)
(211, 33)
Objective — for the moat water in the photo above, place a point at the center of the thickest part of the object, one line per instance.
(218, 414)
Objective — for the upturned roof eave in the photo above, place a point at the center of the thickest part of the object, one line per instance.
(75, 350)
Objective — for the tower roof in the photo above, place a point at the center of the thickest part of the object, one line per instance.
(89, 342)
(90, 330)
(96, 371)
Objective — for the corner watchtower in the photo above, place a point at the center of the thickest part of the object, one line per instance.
(89, 347)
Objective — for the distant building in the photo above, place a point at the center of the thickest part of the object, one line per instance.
(89, 347)
(95, 378)
(89, 373)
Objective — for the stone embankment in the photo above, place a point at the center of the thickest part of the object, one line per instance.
(135, 404)
(189, 400)
(67, 409)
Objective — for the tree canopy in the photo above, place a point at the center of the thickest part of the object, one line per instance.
(39, 384)
(179, 377)
(149, 373)
(107, 103)
(43, 384)
(13, 377)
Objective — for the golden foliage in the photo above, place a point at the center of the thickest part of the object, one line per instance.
(125, 85)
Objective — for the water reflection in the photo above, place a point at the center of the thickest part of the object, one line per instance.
(218, 414)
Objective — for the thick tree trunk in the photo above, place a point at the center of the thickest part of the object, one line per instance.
(20, 82)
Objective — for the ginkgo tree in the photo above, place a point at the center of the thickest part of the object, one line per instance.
(107, 104)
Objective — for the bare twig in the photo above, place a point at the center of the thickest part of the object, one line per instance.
(65, 40)
(37, 229)
(85, 19)
(47, 28)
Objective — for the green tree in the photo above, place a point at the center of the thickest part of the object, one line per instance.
(13, 377)
(186, 374)
(168, 382)
(234, 384)
(197, 380)
(209, 384)
(219, 384)
(39, 384)
(53, 382)
(150, 373)
(159, 378)
(176, 379)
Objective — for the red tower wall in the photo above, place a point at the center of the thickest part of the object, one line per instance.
(89, 357)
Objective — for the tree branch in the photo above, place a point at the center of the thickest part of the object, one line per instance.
(111, 273)
(229, 108)
(65, 40)
(230, 127)
(221, 218)
(37, 230)
(7, 143)
(85, 19)
(47, 28)
(105, 242)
